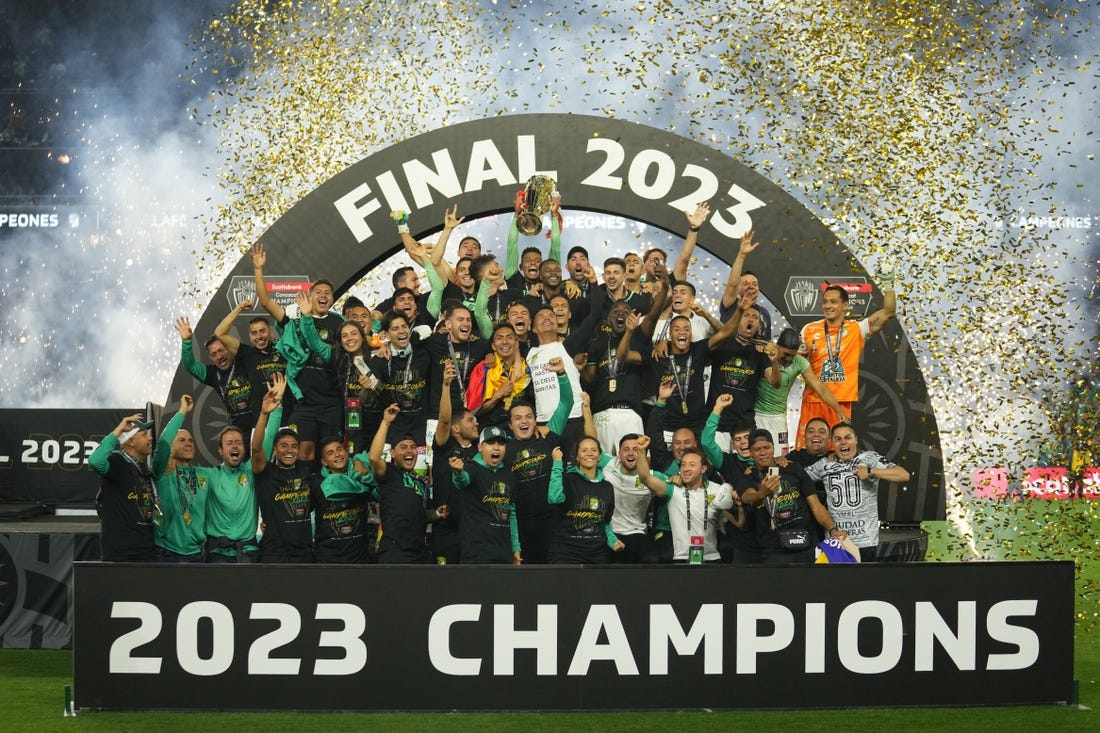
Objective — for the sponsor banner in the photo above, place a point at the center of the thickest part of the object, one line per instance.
(803, 294)
(571, 638)
(44, 453)
(282, 288)
(1039, 482)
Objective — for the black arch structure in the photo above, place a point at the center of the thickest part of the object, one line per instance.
(342, 230)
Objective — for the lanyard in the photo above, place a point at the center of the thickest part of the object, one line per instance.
(408, 370)
(681, 388)
(223, 387)
(459, 368)
(832, 352)
(189, 479)
(687, 507)
(613, 364)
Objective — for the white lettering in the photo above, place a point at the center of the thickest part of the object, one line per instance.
(442, 178)
(749, 643)
(617, 649)
(487, 164)
(543, 639)
(348, 638)
(354, 214)
(665, 628)
(187, 638)
(395, 199)
(815, 638)
(439, 640)
(999, 629)
(848, 637)
(961, 646)
(525, 147)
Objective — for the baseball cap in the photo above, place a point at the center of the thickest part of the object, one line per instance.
(493, 434)
(576, 250)
(758, 435)
(137, 428)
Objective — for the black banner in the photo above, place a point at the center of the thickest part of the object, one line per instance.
(571, 638)
(44, 453)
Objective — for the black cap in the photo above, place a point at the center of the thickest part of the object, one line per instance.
(758, 435)
(493, 434)
(575, 250)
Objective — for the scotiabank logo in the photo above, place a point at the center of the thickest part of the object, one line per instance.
(803, 294)
(281, 288)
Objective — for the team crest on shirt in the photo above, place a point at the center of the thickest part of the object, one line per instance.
(593, 503)
(242, 480)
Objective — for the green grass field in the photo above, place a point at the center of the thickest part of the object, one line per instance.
(32, 682)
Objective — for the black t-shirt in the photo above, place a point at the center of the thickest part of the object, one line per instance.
(341, 526)
(687, 371)
(235, 387)
(125, 507)
(602, 351)
(403, 501)
(736, 369)
(318, 379)
(284, 498)
(530, 462)
(487, 505)
(453, 292)
(518, 284)
(579, 535)
(785, 509)
(260, 366)
(497, 307)
(465, 355)
(443, 488)
(406, 382)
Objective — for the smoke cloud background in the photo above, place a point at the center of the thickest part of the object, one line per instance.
(86, 316)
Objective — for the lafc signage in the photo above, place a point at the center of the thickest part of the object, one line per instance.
(376, 638)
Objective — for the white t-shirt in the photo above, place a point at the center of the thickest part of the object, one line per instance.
(705, 502)
(700, 328)
(545, 382)
(632, 499)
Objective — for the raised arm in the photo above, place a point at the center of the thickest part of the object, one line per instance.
(555, 229)
(481, 309)
(450, 221)
(658, 486)
(889, 307)
(378, 445)
(187, 352)
(729, 295)
(162, 454)
(586, 413)
(511, 253)
(267, 423)
(560, 416)
(555, 492)
(660, 296)
(99, 459)
(710, 429)
(259, 260)
(309, 330)
(730, 326)
(443, 426)
(695, 221)
(229, 341)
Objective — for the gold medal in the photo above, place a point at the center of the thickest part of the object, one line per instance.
(684, 407)
(612, 384)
